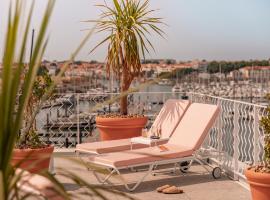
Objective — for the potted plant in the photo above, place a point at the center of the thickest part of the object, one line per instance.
(30, 153)
(259, 176)
(127, 23)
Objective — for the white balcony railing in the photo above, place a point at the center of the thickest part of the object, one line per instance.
(237, 137)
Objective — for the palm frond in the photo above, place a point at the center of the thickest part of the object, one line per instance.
(128, 23)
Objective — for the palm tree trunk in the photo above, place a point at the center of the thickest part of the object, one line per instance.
(125, 83)
(123, 105)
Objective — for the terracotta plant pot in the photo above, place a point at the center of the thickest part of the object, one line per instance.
(259, 184)
(32, 160)
(120, 128)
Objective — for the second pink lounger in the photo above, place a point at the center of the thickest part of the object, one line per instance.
(168, 118)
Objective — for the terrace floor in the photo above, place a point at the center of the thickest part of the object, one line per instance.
(197, 184)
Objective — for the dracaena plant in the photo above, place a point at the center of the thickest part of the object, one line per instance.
(12, 110)
(128, 24)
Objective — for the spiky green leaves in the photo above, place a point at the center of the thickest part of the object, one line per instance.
(128, 24)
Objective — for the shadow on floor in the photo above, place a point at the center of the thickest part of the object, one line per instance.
(177, 180)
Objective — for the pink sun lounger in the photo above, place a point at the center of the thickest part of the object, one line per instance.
(167, 119)
(183, 145)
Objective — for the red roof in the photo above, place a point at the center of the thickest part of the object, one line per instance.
(249, 68)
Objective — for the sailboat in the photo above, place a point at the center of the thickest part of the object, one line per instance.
(165, 82)
(176, 87)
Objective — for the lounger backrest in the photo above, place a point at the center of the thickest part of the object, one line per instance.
(195, 125)
(169, 116)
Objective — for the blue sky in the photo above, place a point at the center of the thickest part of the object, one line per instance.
(203, 29)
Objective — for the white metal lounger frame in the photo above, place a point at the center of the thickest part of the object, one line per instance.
(152, 165)
(79, 152)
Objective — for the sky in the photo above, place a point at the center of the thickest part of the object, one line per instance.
(196, 29)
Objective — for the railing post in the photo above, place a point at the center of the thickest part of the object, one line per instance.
(191, 97)
(236, 141)
(78, 117)
(163, 98)
(219, 127)
(256, 135)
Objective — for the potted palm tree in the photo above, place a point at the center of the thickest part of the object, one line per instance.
(259, 176)
(127, 23)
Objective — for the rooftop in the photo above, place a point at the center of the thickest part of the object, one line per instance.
(251, 68)
(197, 184)
(231, 143)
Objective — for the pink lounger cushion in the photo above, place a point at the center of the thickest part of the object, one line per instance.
(170, 115)
(107, 146)
(195, 125)
(167, 119)
(187, 138)
(138, 156)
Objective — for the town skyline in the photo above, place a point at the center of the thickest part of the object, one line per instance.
(227, 30)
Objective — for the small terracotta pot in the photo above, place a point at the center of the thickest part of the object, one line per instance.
(32, 160)
(120, 128)
(259, 184)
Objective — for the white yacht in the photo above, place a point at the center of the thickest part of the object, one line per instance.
(176, 88)
(165, 82)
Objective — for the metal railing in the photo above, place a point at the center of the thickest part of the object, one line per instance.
(67, 120)
(237, 134)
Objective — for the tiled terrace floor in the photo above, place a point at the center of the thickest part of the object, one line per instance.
(197, 185)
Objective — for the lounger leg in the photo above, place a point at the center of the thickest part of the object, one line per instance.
(175, 166)
(133, 170)
(170, 171)
(153, 173)
(202, 164)
(106, 179)
(80, 157)
(184, 169)
(138, 182)
(51, 166)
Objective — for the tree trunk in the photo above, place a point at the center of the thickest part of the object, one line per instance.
(123, 105)
(125, 83)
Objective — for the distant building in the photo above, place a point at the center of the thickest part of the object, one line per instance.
(159, 61)
(84, 69)
(259, 73)
(183, 66)
(163, 69)
(219, 75)
(195, 64)
(235, 75)
(52, 68)
(203, 66)
(204, 75)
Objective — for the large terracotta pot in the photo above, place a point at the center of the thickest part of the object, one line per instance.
(120, 128)
(259, 184)
(32, 160)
